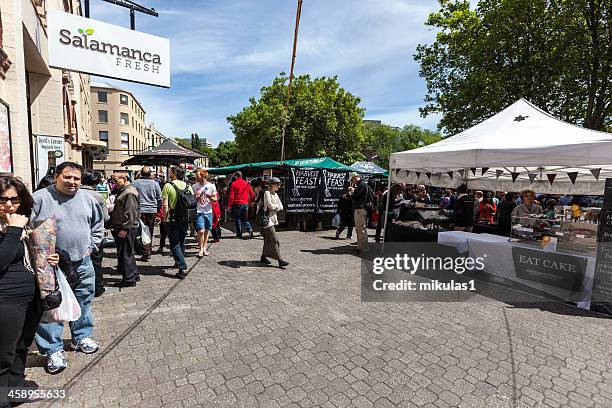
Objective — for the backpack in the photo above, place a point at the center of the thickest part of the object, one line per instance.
(186, 206)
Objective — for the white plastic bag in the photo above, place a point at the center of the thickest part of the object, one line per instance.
(69, 310)
(337, 221)
(145, 235)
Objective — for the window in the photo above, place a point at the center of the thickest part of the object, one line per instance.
(125, 119)
(123, 99)
(125, 144)
(102, 116)
(103, 136)
(102, 96)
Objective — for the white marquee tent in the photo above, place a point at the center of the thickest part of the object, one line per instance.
(522, 139)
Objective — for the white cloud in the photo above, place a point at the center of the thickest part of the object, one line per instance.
(223, 52)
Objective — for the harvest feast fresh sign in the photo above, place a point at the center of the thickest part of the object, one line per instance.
(85, 45)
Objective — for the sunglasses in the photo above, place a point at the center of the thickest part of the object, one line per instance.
(14, 200)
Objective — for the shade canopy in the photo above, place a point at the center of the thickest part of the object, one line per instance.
(368, 167)
(317, 163)
(522, 139)
(167, 153)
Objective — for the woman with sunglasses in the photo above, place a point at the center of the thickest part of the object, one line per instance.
(19, 314)
(528, 206)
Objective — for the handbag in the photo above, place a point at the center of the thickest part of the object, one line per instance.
(145, 235)
(65, 265)
(337, 221)
(263, 217)
(68, 310)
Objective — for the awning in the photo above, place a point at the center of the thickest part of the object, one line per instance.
(98, 149)
(518, 148)
(167, 153)
(317, 163)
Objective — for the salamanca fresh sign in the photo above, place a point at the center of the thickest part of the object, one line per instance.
(85, 45)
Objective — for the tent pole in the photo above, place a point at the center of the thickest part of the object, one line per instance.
(386, 209)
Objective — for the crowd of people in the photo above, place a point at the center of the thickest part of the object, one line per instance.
(84, 205)
(468, 208)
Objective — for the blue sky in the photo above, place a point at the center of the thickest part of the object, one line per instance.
(224, 51)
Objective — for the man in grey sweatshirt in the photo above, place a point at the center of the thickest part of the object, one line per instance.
(79, 232)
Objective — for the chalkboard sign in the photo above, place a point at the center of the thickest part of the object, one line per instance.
(332, 185)
(551, 268)
(601, 299)
(302, 186)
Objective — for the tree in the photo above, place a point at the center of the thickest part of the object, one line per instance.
(557, 54)
(322, 120)
(227, 154)
(196, 144)
(384, 140)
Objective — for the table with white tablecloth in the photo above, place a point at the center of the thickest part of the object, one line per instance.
(498, 259)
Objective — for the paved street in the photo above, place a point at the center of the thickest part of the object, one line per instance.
(234, 333)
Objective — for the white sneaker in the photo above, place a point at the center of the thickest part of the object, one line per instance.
(87, 346)
(56, 362)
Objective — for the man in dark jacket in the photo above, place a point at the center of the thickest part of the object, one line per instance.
(125, 220)
(360, 199)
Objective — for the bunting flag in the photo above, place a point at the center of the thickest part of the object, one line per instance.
(428, 174)
(450, 174)
(595, 173)
(572, 175)
(532, 177)
(418, 174)
(438, 175)
(462, 173)
(473, 169)
(484, 170)
(498, 173)
(514, 176)
(551, 178)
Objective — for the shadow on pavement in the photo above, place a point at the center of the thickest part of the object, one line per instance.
(244, 264)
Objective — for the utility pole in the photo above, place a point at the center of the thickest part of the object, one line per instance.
(134, 7)
(295, 38)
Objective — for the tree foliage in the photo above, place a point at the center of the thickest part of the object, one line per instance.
(555, 53)
(322, 120)
(384, 140)
(225, 154)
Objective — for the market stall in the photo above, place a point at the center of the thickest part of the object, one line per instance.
(311, 187)
(523, 147)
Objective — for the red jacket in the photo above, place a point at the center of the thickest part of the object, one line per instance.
(240, 193)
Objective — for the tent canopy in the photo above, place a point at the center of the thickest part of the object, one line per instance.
(521, 139)
(167, 153)
(317, 163)
(369, 167)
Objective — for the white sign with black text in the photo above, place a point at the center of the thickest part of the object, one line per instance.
(85, 45)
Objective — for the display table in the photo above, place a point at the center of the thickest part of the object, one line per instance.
(400, 233)
(501, 261)
(459, 239)
(569, 276)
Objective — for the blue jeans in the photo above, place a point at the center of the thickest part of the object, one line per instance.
(240, 217)
(203, 222)
(176, 235)
(49, 335)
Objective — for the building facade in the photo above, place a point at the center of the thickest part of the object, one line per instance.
(153, 136)
(118, 121)
(44, 112)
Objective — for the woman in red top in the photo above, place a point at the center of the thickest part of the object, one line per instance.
(216, 227)
(487, 210)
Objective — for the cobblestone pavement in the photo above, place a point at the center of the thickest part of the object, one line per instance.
(234, 333)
